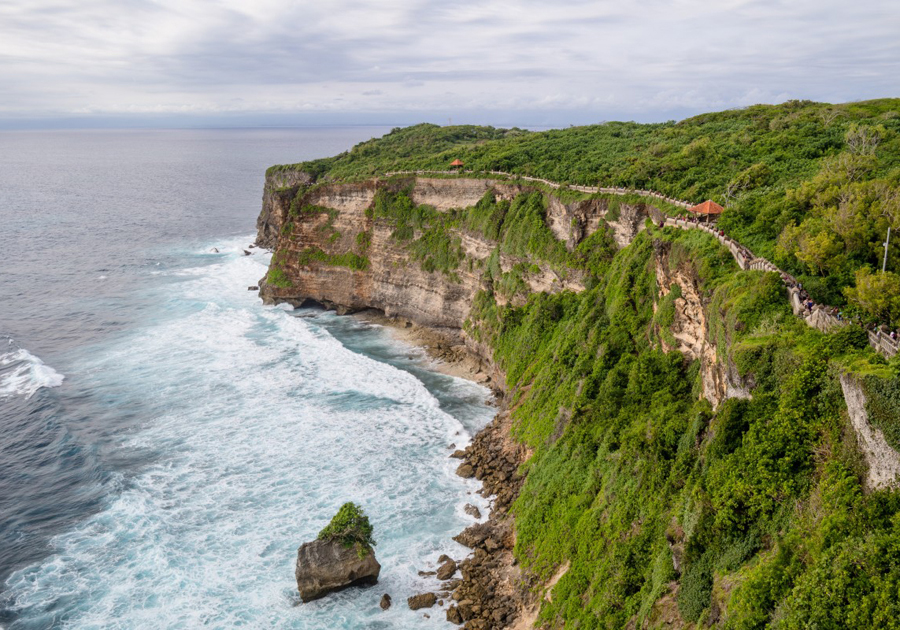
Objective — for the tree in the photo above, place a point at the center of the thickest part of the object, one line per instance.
(877, 294)
(818, 252)
(862, 140)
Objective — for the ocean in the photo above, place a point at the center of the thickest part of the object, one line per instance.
(166, 441)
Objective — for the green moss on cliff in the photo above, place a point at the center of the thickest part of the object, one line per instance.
(347, 259)
(278, 278)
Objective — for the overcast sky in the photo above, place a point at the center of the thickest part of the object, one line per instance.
(272, 62)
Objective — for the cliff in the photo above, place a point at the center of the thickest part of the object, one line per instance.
(675, 446)
(335, 251)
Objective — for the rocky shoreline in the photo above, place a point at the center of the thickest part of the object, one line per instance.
(494, 592)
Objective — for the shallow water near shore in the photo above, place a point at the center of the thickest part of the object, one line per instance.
(164, 460)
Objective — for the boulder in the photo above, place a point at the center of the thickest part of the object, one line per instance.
(465, 470)
(423, 600)
(473, 511)
(474, 535)
(453, 615)
(253, 287)
(385, 602)
(325, 566)
(446, 570)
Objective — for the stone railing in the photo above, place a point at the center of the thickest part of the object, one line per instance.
(817, 316)
(883, 343)
(556, 185)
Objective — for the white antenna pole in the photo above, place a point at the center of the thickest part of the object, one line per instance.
(886, 243)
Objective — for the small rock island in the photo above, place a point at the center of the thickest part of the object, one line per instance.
(341, 556)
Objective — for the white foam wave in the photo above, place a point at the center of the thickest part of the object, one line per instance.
(22, 374)
(262, 424)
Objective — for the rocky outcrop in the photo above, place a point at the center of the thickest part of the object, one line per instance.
(326, 566)
(279, 190)
(423, 600)
(690, 329)
(882, 460)
(446, 570)
(493, 589)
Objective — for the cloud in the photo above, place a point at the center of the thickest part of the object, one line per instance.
(650, 57)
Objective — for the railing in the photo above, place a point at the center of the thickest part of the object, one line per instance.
(883, 343)
(817, 316)
(556, 185)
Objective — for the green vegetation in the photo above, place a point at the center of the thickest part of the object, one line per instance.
(519, 228)
(350, 526)
(763, 498)
(278, 278)
(435, 248)
(811, 186)
(347, 259)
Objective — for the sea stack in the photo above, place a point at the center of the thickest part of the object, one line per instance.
(341, 556)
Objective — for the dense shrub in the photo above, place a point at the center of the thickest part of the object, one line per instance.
(350, 526)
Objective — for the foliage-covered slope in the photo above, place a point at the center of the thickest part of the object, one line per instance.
(748, 516)
(761, 502)
(811, 186)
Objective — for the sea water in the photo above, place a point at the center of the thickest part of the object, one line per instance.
(166, 441)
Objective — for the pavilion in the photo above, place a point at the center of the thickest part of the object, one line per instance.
(456, 164)
(708, 209)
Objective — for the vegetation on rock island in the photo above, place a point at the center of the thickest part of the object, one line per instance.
(351, 527)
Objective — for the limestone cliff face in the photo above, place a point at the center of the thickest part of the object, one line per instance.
(390, 281)
(278, 192)
(690, 328)
(882, 460)
(383, 275)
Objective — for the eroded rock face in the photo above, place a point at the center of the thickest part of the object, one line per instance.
(389, 280)
(277, 195)
(327, 566)
(690, 329)
(883, 461)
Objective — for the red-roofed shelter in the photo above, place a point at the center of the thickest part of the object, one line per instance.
(457, 163)
(708, 209)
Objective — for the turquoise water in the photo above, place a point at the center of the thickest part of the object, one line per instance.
(161, 468)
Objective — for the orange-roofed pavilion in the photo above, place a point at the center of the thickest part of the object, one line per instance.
(707, 207)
